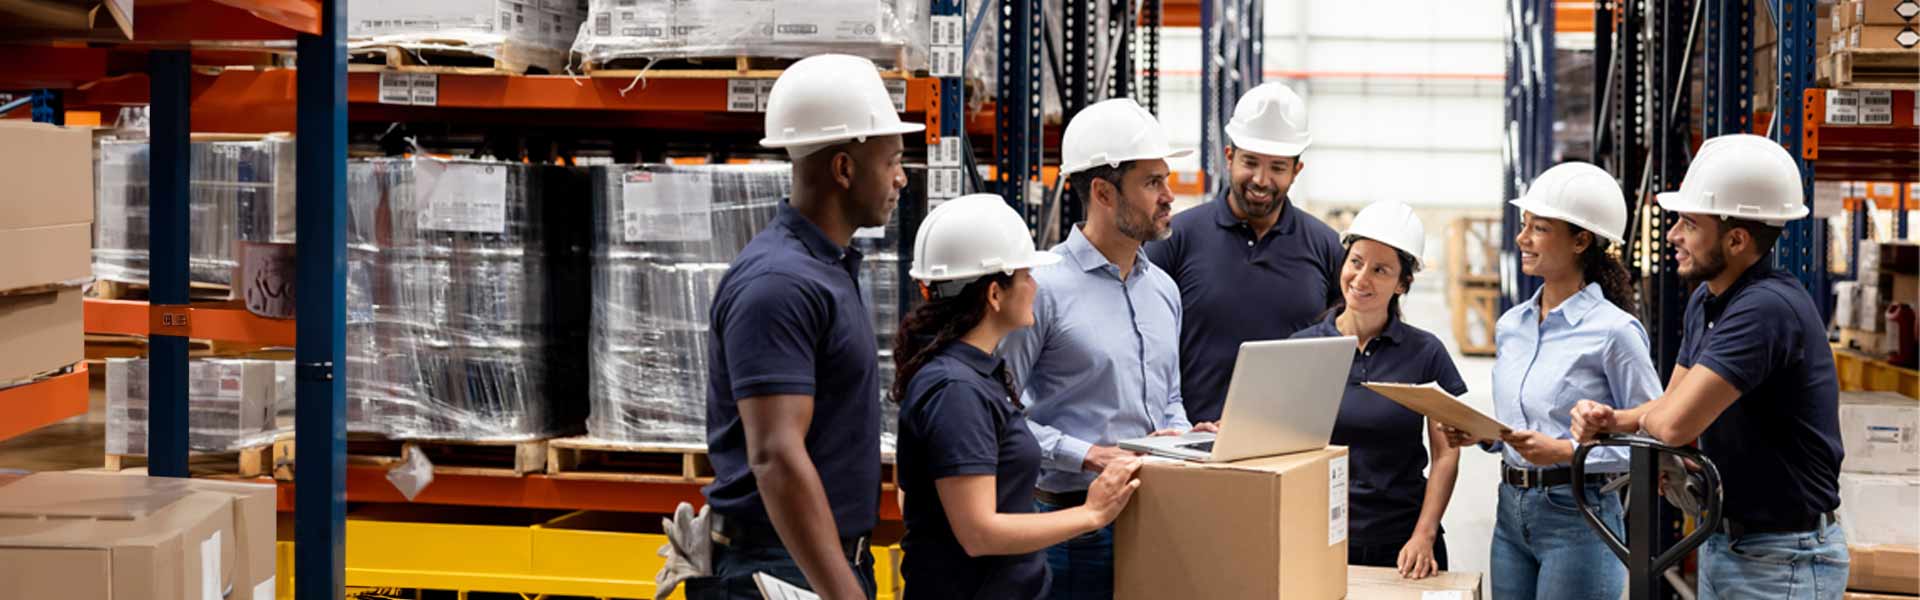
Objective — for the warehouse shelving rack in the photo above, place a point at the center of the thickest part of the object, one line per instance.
(1646, 132)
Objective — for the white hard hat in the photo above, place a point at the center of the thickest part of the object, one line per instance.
(1743, 176)
(971, 236)
(1270, 119)
(828, 99)
(1393, 223)
(1112, 132)
(1581, 194)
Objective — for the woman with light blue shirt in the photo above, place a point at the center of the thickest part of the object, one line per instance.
(1576, 339)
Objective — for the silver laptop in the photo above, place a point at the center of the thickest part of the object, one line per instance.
(1283, 398)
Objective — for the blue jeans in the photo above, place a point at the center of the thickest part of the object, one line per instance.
(733, 570)
(1775, 566)
(1083, 566)
(1543, 548)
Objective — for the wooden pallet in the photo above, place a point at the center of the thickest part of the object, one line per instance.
(126, 290)
(250, 462)
(1874, 69)
(1473, 251)
(450, 56)
(451, 457)
(1475, 311)
(585, 458)
(711, 67)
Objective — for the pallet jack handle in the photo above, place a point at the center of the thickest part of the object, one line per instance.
(1643, 564)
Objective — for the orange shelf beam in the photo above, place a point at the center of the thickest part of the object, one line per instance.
(262, 100)
(369, 484)
(32, 406)
(220, 322)
(182, 21)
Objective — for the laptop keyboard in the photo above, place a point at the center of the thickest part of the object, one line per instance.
(1206, 446)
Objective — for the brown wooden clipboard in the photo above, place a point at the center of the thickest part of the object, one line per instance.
(1428, 399)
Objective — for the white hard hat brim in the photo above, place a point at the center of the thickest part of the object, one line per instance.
(1034, 261)
(1543, 210)
(1693, 204)
(1246, 141)
(901, 129)
(1170, 153)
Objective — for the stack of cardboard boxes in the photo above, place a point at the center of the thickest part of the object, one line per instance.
(1888, 275)
(82, 536)
(1880, 491)
(46, 228)
(1875, 24)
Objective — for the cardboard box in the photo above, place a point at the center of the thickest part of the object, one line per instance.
(84, 537)
(1881, 12)
(1273, 527)
(44, 331)
(1851, 595)
(1888, 37)
(1878, 430)
(1379, 583)
(1880, 509)
(255, 523)
(1890, 569)
(47, 212)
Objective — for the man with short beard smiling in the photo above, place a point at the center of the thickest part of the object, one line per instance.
(1753, 383)
(1250, 265)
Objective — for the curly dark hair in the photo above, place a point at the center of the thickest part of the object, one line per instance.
(940, 321)
(1597, 265)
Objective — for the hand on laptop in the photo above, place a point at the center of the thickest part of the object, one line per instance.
(1099, 456)
(1207, 427)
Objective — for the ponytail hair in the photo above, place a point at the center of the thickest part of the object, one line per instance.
(1599, 265)
(941, 321)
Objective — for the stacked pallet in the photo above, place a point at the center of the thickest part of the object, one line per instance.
(1888, 276)
(1473, 282)
(1875, 44)
(1880, 491)
(621, 37)
(509, 37)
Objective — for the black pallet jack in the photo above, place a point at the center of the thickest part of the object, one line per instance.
(1695, 491)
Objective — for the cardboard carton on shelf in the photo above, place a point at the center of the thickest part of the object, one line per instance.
(1887, 569)
(1878, 431)
(114, 537)
(1879, 509)
(1379, 583)
(1877, 12)
(1273, 527)
(46, 220)
(1884, 37)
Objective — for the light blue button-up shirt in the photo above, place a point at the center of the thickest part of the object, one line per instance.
(1586, 349)
(1101, 363)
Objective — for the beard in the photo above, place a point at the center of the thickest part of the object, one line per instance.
(1143, 227)
(1238, 194)
(1706, 266)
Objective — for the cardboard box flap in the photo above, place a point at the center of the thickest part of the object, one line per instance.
(73, 496)
(49, 175)
(1268, 464)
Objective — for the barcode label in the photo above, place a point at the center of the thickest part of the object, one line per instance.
(743, 95)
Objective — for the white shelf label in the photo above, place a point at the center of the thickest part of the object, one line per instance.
(666, 207)
(743, 95)
(1843, 107)
(396, 88)
(943, 183)
(897, 89)
(469, 197)
(1336, 500)
(945, 61)
(946, 153)
(426, 89)
(946, 31)
(1876, 107)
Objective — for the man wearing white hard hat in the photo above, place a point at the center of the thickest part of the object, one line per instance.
(793, 420)
(1575, 338)
(1396, 509)
(1754, 381)
(1101, 363)
(1250, 265)
(968, 460)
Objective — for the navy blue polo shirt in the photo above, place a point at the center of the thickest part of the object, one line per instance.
(1778, 446)
(958, 420)
(1386, 441)
(789, 318)
(1235, 289)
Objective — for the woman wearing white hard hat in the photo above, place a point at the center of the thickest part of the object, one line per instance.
(1395, 520)
(1576, 339)
(968, 461)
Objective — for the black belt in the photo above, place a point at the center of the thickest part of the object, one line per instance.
(1060, 499)
(735, 533)
(1545, 478)
(1737, 529)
